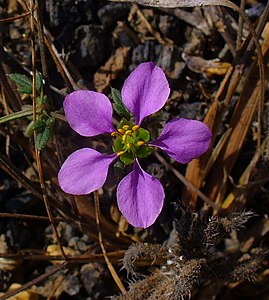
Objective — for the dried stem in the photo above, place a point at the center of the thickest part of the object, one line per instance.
(109, 265)
(45, 73)
(114, 256)
(37, 152)
(53, 51)
(29, 217)
(240, 26)
(12, 19)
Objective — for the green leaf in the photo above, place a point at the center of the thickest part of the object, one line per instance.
(118, 145)
(127, 158)
(30, 129)
(118, 105)
(24, 84)
(120, 110)
(43, 138)
(39, 81)
(38, 125)
(16, 115)
(50, 122)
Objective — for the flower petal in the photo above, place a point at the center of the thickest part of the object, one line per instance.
(88, 113)
(84, 171)
(184, 139)
(140, 197)
(145, 91)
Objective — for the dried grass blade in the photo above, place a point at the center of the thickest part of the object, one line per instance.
(236, 199)
(241, 120)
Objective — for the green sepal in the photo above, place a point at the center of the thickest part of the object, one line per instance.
(143, 151)
(24, 84)
(118, 105)
(118, 145)
(127, 158)
(43, 138)
(143, 135)
(129, 139)
(124, 122)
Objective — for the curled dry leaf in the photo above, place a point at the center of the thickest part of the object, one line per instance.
(209, 67)
(24, 295)
(178, 3)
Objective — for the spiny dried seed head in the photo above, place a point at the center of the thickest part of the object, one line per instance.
(248, 266)
(143, 251)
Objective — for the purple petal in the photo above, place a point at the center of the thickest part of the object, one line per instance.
(140, 197)
(145, 91)
(88, 113)
(84, 171)
(184, 139)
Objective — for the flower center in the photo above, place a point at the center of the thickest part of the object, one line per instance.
(130, 142)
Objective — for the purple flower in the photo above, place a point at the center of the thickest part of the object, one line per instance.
(140, 196)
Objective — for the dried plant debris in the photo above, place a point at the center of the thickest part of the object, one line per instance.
(196, 256)
(94, 45)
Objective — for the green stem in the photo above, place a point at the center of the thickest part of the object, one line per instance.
(16, 115)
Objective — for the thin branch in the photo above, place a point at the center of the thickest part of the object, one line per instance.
(30, 217)
(12, 19)
(115, 256)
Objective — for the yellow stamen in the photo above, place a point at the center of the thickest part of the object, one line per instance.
(135, 127)
(128, 145)
(140, 143)
(124, 137)
(128, 131)
(120, 153)
(115, 133)
(121, 131)
(125, 127)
